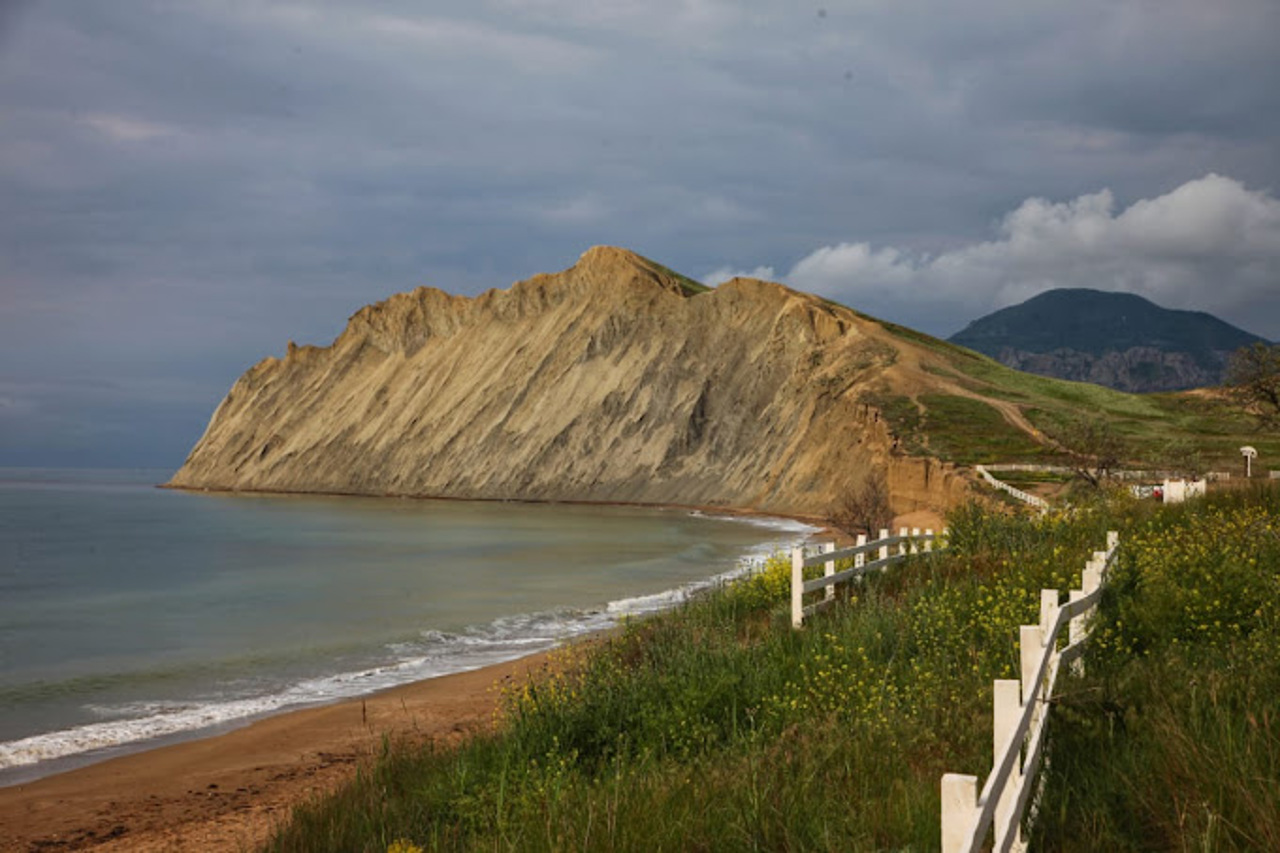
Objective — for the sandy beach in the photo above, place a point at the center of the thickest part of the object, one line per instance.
(227, 792)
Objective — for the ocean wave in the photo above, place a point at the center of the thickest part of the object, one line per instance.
(433, 653)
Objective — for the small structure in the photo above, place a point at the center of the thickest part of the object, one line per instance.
(1177, 491)
(1249, 454)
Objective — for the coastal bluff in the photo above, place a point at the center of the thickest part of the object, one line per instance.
(615, 380)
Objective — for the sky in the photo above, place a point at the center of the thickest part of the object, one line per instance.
(187, 186)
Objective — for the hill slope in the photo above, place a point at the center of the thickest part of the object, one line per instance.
(1119, 340)
(615, 380)
(619, 380)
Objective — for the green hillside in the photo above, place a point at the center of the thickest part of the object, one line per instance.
(1096, 322)
(958, 428)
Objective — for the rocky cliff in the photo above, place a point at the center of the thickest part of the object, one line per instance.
(615, 380)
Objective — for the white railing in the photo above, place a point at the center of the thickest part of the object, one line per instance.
(1021, 709)
(1025, 497)
(886, 550)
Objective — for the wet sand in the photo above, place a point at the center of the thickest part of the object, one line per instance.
(229, 791)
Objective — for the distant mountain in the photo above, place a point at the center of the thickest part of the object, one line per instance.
(1119, 340)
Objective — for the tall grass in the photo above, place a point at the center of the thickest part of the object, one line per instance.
(1173, 741)
(716, 727)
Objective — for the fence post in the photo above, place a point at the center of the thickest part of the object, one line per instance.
(1075, 632)
(928, 539)
(829, 569)
(1091, 577)
(860, 559)
(903, 533)
(1006, 706)
(797, 587)
(1030, 642)
(884, 549)
(1048, 611)
(959, 806)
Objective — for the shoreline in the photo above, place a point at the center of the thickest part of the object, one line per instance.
(228, 791)
(81, 749)
(228, 788)
(707, 509)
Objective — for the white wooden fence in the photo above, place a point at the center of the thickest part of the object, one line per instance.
(1021, 713)
(886, 550)
(1025, 497)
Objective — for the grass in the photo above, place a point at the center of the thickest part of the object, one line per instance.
(716, 727)
(1172, 742)
(1155, 427)
(956, 429)
(967, 431)
(690, 286)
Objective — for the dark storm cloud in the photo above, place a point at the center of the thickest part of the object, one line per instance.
(187, 186)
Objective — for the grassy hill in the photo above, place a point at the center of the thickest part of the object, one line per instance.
(1095, 321)
(965, 407)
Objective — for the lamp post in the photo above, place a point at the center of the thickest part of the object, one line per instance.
(1249, 454)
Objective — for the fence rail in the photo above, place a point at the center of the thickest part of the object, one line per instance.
(1021, 712)
(887, 550)
(1025, 497)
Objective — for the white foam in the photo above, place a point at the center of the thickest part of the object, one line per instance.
(436, 654)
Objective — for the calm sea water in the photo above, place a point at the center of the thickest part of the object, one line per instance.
(130, 615)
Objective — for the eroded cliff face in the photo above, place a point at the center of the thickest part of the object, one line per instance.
(611, 381)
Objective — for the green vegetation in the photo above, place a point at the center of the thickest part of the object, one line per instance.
(1172, 742)
(1210, 426)
(716, 727)
(957, 429)
(968, 431)
(691, 287)
(1096, 322)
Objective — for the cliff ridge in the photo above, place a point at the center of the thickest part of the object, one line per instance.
(614, 380)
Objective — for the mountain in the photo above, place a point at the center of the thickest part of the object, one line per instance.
(1119, 340)
(615, 380)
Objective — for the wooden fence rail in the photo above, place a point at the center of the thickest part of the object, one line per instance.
(885, 551)
(1025, 497)
(1021, 709)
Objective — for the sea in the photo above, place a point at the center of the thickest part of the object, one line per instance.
(133, 616)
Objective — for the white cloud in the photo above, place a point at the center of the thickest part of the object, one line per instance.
(720, 276)
(127, 129)
(1211, 244)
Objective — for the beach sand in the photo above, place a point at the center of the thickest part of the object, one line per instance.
(229, 791)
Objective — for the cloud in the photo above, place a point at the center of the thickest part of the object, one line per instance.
(722, 274)
(193, 184)
(128, 129)
(1210, 244)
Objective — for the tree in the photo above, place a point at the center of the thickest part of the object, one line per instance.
(865, 508)
(1253, 380)
(1095, 448)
